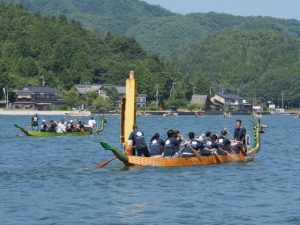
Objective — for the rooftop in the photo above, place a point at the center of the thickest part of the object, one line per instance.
(228, 96)
(38, 89)
(200, 99)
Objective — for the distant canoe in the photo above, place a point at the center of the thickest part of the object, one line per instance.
(199, 113)
(297, 116)
(53, 134)
(227, 115)
(170, 113)
(144, 114)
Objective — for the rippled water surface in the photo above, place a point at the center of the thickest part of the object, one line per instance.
(53, 181)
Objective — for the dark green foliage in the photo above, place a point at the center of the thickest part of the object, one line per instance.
(103, 104)
(258, 62)
(103, 15)
(64, 53)
(159, 31)
(175, 103)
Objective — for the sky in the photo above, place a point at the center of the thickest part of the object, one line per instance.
(288, 9)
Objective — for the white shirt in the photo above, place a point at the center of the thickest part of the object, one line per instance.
(92, 123)
(61, 128)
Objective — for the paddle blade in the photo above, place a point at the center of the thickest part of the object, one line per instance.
(217, 157)
(102, 164)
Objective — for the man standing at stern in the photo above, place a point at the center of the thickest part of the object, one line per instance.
(137, 139)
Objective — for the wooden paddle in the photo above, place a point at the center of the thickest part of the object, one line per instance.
(197, 154)
(104, 163)
(217, 157)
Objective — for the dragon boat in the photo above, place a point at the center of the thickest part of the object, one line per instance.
(227, 115)
(128, 159)
(52, 134)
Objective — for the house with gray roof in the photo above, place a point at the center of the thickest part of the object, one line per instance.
(38, 98)
(142, 100)
(201, 100)
(101, 90)
(230, 102)
(85, 88)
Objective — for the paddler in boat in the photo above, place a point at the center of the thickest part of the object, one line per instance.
(80, 127)
(239, 136)
(72, 125)
(215, 145)
(61, 127)
(52, 126)
(137, 139)
(156, 146)
(179, 137)
(223, 142)
(92, 123)
(172, 144)
(204, 137)
(191, 144)
(44, 126)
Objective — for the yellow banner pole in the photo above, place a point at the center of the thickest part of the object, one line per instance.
(128, 111)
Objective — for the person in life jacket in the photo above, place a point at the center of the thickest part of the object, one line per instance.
(191, 144)
(35, 122)
(172, 144)
(156, 146)
(137, 139)
(223, 142)
(44, 126)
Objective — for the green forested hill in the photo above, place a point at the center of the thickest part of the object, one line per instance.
(115, 16)
(259, 55)
(166, 35)
(258, 62)
(157, 30)
(64, 53)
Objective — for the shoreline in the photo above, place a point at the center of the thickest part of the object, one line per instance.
(43, 113)
(88, 113)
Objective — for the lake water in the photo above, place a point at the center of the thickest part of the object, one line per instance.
(53, 181)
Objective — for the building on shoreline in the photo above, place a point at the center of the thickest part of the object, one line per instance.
(202, 100)
(230, 102)
(104, 89)
(38, 98)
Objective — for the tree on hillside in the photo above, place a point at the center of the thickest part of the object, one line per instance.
(103, 104)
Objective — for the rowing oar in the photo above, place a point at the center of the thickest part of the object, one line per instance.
(104, 163)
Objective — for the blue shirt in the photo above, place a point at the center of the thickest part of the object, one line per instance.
(196, 145)
(171, 146)
(155, 146)
(138, 139)
(224, 143)
(240, 134)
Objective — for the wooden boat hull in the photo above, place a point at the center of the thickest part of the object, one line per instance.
(51, 134)
(179, 161)
(54, 134)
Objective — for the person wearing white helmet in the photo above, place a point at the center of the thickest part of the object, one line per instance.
(44, 126)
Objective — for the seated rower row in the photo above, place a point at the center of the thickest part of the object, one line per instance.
(176, 146)
(65, 126)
